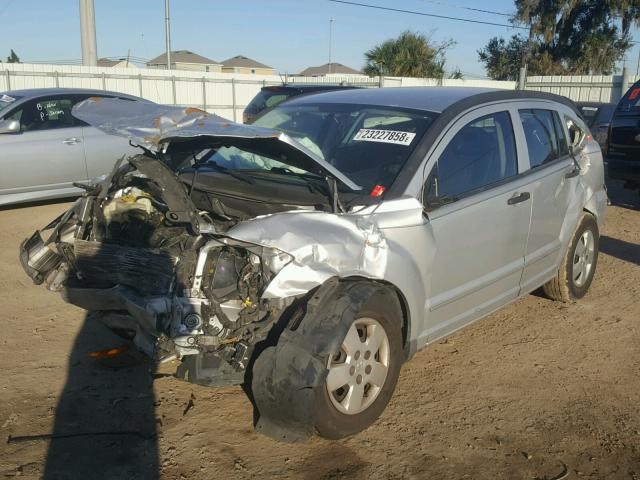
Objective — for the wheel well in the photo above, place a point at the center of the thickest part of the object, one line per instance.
(586, 210)
(404, 306)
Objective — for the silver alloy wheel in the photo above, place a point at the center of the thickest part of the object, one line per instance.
(583, 258)
(358, 371)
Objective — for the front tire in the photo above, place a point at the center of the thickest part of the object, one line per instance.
(333, 370)
(362, 372)
(579, 264)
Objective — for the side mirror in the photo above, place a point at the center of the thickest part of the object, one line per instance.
(9, 126)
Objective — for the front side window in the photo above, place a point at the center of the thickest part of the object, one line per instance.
(541, 135)
(45, 114)
(482, 153)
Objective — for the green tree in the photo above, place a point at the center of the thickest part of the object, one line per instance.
(13, 58)
(502, 60)
(456, 74)
(566, 37)
(410, 55)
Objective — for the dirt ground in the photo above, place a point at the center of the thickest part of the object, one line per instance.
(539, 390)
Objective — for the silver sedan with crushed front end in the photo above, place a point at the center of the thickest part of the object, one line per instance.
(309, 255)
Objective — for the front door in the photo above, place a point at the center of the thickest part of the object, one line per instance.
(479, 210)
(47, 153)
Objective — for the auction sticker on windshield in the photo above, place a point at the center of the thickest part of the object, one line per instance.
(384, 136)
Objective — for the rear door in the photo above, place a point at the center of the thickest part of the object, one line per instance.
(552, 178)
(480, 221)
(48, 152)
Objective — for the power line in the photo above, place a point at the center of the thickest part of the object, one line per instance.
(468, 20)
(492, 12)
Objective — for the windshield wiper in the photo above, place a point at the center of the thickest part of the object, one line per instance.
(219, 168)
(332, 185)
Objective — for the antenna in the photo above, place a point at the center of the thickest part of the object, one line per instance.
(330, 40)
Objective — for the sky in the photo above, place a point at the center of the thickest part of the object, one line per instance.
(288, 35)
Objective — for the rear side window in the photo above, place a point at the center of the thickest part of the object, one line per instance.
(482, 153)
(545, 137)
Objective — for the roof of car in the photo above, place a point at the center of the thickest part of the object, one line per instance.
(594, 104)
(433, 99)
(37, 92)
(310, 86)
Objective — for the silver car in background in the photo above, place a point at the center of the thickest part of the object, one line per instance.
(308, 255)
(44, 149)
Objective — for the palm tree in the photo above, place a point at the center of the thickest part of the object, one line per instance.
(409, 55)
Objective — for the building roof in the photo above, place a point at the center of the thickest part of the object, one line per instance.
(182, 56)
(105, 62)
(324, 69)
(243, 62)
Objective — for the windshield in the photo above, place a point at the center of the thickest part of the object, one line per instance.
(589, 113)
(268, 98)
(631, 101)
(6, 101)
(369, 144)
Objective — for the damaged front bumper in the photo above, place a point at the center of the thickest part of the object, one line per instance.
(158, 272)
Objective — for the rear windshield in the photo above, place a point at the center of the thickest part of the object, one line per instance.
(631, 101)
(268, 98)
(369, 144)
(589, 113)
(6, 101)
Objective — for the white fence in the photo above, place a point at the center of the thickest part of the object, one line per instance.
(221, 93)
(228, 94)
(583, 88)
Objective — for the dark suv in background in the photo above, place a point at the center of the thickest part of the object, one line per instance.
(269, 97)
(597, 116)
(623, 145)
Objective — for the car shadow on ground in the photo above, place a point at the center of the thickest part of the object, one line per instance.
(622, 197)
(36, 203)
(627, 251)
(105, 424)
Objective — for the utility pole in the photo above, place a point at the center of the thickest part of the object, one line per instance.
(167, 32)
(330, 40)
(88, 33)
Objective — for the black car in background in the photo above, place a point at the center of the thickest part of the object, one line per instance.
(597, 116)
(623, 145)
(269, 97)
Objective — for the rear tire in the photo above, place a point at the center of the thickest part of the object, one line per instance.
(578, 265)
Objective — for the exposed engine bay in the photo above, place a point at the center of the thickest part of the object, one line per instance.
(160, 272)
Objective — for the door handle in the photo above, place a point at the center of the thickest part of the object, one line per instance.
(71, 141)
(518, 198)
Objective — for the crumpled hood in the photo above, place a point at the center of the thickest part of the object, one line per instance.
(156, 127)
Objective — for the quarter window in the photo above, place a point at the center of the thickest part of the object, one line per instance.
(482, 153)
(576, 133)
